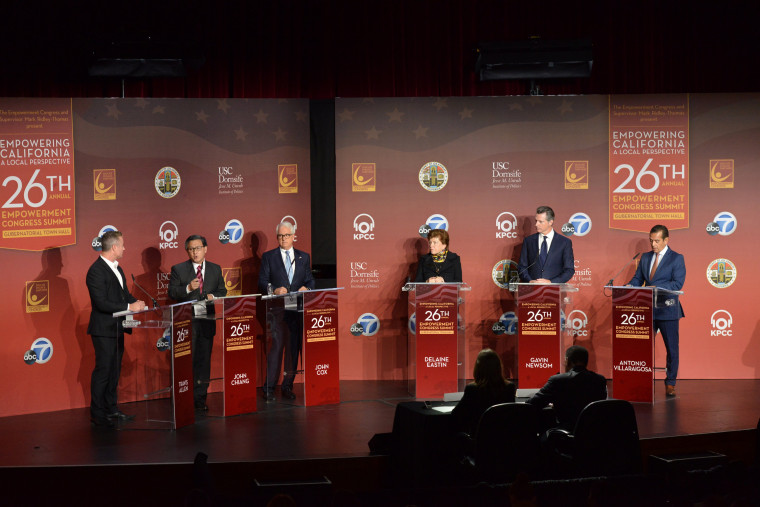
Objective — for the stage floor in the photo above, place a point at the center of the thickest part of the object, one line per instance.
(283, 431)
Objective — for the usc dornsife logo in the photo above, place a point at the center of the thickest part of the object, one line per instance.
(363, 177)
(287, 178)
(104, 184)
(722, 173)
(37, 296)
(576, 174)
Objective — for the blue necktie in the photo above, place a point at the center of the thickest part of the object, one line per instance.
(290, 266)
(544, 252)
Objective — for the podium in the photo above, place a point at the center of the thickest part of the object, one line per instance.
(542, 336)
(436, 332)
(161, 371)
(633, 339)
(306, 322)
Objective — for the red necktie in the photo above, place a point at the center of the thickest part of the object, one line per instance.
(654, 266)
(199, 275)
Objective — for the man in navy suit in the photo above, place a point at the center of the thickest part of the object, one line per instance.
(666, 269)
(108, 294)
(546, 257)
(197, 279)
(287, 270)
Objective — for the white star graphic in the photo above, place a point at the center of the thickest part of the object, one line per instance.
(395, 115)
(159, 110)
(261, 116)
(141, 103)
(201, 116)
(566, 107)
(301, 116)
(515, 105)
(279, 134)
(222, 105)
(373, 133)
(240, 134)
(420, 131)
(346, 115)
(113, 110)
(440, 103)
(465, 113)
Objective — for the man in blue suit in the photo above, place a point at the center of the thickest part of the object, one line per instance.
(666, 269)
(546, 257)
(287, 270)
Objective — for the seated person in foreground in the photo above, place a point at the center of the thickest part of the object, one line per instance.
(440, 265)
(570, 392)
(489, 388)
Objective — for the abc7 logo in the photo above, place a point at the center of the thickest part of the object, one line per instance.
(168, 231)
(578, 225)
(721, 322)
(368, 325)
(507, 324)
(40, 353)
(576, 322)
(724, 224)
(424, 230)
(506, 225)
(224, 237)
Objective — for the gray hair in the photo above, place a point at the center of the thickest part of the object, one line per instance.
(285, 224)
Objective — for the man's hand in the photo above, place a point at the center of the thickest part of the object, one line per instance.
(137, 306)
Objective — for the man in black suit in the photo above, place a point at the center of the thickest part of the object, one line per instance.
(286, 270)
(571, 391)
(108, 294)
(546, 257)
(196, 279)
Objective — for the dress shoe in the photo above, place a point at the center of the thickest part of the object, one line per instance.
(268, 396)
(102, 422)
(288, 394)
(670, 390)
(201, 407)
(120, 416)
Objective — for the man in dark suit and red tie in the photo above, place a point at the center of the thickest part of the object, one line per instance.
(666, 269)
(108, 294)
(287, 270)
(546, 257)
(196, 279)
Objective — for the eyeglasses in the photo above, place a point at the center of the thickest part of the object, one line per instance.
(284, 236)
(194, 249)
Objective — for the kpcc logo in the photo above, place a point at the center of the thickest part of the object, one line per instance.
(577, 322)
(168, 233)
(364, 224)
(506, 225)
(721, 322)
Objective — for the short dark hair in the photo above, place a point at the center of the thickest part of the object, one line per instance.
(577, 356)
(660, 228)
(442, 236)
(109, 239)
(546, 209)
(194, 237)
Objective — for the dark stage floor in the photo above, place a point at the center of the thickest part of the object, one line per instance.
(283, 431)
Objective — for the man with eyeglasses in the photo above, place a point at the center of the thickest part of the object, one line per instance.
(196, 279)
(287, 270)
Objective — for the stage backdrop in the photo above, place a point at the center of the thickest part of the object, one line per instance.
(610, 166)
(157, 170)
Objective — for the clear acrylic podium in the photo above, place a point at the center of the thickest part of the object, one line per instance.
(436, 338)
(633, 343)
(542, 336)
(157, 368)
(305, 322)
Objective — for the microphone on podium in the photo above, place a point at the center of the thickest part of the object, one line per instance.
(155, 303)
(611, 282)
(513, 282)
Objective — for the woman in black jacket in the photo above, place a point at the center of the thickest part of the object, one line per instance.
(440, 265)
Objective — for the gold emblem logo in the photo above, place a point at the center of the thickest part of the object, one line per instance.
(104, 184)
(363, 177)
(722, 173)
(37, 296)
(287, 178)
(576, 174)
(232, 281)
